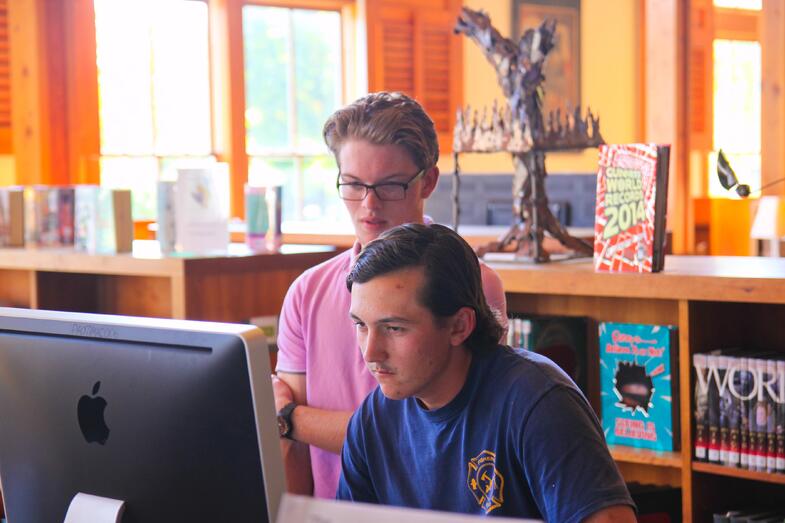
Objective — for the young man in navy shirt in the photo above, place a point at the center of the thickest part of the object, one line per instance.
(459, 423)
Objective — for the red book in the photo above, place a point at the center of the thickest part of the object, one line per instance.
(632, 196)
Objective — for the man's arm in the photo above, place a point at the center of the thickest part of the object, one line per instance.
(296, 458)
(614, 514)
(322, 428)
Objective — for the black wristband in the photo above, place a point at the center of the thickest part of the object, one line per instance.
(285, 426)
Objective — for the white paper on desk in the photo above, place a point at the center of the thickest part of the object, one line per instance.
(202, 209)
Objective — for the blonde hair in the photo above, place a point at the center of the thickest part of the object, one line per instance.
(385, 118)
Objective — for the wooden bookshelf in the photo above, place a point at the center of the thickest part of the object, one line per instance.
(716, 302)
(231, 287)
(646, 457)
(738, 473)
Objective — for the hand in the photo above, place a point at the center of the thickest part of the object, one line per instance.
(283, 394)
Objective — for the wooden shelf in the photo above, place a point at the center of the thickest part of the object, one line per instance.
(646, 457)
(715, 302)
(233, 286)
(732, 472)
(709, 278)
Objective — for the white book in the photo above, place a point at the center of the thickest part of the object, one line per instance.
(202, 209)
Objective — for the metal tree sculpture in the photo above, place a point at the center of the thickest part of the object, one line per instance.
(519, 72)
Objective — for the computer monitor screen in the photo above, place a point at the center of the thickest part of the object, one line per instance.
(176, 418)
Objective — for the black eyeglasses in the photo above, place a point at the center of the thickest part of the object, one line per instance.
(387, 191)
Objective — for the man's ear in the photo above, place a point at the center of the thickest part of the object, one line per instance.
(462, 325)
(429, 181)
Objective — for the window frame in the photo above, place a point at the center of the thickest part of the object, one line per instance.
(228, 81)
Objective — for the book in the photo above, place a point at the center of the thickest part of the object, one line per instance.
(631, 208)
(562, 339)
(166, 216)
(41, 229)
(202, 209)
(12, 220)
(701, 400)
(636, 386)
(65, 216)
(746, 408)
(102, 220)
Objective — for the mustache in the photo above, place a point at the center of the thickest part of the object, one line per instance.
(378, 367)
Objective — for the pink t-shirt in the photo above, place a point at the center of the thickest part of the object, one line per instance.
(316, 336)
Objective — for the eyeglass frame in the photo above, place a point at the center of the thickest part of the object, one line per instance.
(369, 187)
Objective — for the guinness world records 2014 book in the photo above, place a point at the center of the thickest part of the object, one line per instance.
(631, 208)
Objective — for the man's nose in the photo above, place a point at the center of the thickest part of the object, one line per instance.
(372, 200)
(373, 351)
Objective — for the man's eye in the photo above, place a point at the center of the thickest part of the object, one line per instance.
(393, 328)
(359, 325)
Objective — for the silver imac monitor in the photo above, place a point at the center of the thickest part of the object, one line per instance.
(301, 509)
(174, 418)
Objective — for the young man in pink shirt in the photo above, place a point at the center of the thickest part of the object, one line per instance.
(386, 149)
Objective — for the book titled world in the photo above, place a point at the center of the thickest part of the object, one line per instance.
(632, 196)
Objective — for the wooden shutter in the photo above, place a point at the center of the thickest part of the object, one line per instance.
(397, 51)
(5, 82)
(412, 49)
(439, 75)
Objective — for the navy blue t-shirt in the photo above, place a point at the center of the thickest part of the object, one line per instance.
(519, 440)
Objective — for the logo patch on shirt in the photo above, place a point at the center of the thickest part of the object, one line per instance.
(485, 481)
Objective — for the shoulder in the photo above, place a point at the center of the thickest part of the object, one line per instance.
(328, 274)
(525, 374)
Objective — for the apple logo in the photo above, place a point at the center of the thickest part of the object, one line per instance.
(90, 411)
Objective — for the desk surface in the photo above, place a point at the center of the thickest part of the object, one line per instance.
(147, 259)
(710, 278)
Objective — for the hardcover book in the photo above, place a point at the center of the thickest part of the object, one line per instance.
(41, 216)
(562, 339)
(636, 386)
(102, 220)
(12, 231)
(632, 196)
(202, 209)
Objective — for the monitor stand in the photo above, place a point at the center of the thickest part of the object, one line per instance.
(86, 508)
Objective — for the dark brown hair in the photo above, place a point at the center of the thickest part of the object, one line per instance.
(452, 274)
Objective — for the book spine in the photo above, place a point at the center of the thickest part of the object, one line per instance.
(771, 417)
(701, 407)
(724, 399)
(761, 415)
(744, 420)
(660, 207)
(780, 424)
(734, 416)
(713, 412)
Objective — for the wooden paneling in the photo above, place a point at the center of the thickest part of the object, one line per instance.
(15, 288)
(55, 92)
(6, 146)
(773, 96)
(666, 102)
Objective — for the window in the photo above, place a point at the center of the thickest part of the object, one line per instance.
(735, 87)
(154, 92)
(293, 82)
(737, 119)
(755, 5)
